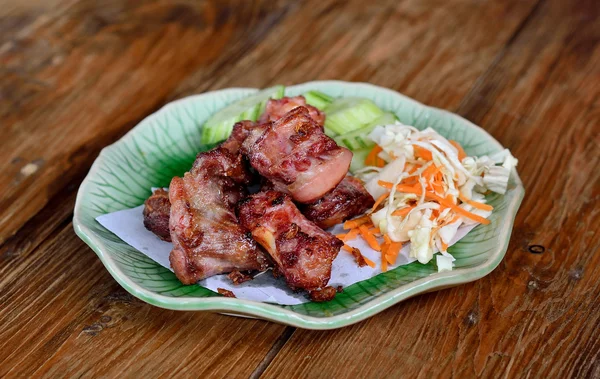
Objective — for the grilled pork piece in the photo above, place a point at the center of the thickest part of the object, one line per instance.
(325, 294)
(207, 239)
(277, 108)
(156, 214)
(302, 252)
(295, 154)
(347, 200)
(240, 131)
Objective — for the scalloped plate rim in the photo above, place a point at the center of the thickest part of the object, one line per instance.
(276, 313)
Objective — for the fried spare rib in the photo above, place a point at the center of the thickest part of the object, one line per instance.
(156, 214)
(238, 135)
(207, 238)
(347, 200)
(295, 154)
(302, 252)
(277, 108)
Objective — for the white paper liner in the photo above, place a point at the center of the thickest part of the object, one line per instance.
(129, 226)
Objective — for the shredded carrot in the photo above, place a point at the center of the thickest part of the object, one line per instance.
(360, 259)
(379, 201)
(351, 224)
(422, 153)
(369, 237)
(369, 262)
(450, 199)
(444, 245)
(375, 230)
(437, 186)
(352, 234)
(389, 259)
(403, 211)
(347, 248)
(410, 181)
(439, 177)
(475, 204)
(447, 202)
(416, 189)
(461, 151)
(434, 214)
(393, 251)
(384, 253)
(430, 172)
(371, 159)
(383, 263)
(458, 209)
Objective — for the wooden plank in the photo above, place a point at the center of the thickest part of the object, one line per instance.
(432, 51)
(63, 315)
(78, 77)
(536, 314)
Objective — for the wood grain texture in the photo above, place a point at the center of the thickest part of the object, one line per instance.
(53, 325)
(76, 75)
(79, 76)
(536, 315)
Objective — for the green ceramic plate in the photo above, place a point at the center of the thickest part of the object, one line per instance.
(164, 145)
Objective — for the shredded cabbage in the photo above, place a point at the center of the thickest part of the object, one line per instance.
(428, 179)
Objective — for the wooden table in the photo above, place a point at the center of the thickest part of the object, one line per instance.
(76, 75)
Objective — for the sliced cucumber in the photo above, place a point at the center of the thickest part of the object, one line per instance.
(219, 126)
(358, 139)
(347, 114)
(358, 159)
(318, 99)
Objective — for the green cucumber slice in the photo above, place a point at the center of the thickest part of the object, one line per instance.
(219, 126)
(358, 159)
(350, 113)
(358, 139)
(318, 99)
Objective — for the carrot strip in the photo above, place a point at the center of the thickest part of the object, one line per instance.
(430, 172)
(384, 253)
(434, 214)
(461, 151)
(393, 251)
(347, 248)
(444, 245)
(351, 224)
(358, 257)
(379, 201)
(457, 209)
(375, 230)
(422, 153)
(352, 234)
(432, 196)
(369, 238)
(475, 204)
(370, 160)
(369, 262)
(401, 187)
